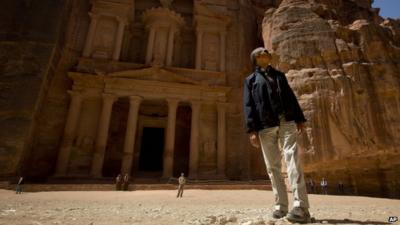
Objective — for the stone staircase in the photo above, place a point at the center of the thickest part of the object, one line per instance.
(139, 184)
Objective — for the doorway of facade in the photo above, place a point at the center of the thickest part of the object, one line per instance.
(151, 150)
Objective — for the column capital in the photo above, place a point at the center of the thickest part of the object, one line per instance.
(135, 99)
(121, 20)
(75, 94)
(110, 97)
(173, 101)
(173, 29)
(199, 31)
(196, 102)
(222, 105)
(94, 16)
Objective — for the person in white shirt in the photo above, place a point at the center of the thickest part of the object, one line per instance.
(324, 186)
(182, 182)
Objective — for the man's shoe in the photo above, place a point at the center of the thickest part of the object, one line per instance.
(299, 215)
(277, 214)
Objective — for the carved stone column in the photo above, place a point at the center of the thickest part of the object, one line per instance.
(118, 42)
(89, 38)
(194, 140)
(102, 135)
(199, 47)
(222, 51)
(170, 138)
(134, 104)
(69, 133)
(170, 50)
(150, 45)
(221, 160)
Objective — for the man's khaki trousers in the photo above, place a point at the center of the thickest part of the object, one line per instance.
(286, 135)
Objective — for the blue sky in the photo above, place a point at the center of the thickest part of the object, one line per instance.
(389, 8)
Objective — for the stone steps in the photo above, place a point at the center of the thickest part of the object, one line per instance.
(110, 187)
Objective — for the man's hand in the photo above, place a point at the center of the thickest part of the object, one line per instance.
(254, 140)
(300, 127)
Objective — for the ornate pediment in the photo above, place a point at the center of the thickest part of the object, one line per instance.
(155, 74)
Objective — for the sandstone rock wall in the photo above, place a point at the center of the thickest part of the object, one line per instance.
(343, 62)
(28, 38)
(40, 161)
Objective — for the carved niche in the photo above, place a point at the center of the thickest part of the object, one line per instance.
(163, 25)
(106, 29)
(211, 28)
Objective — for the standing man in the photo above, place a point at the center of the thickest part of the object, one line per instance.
(118, 182)
(20, 185)
(324, 186)
(312, 186)
(272, 115)
(341, 187)
(126, 182)
(182, 182)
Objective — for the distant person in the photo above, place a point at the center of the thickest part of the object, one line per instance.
(324, 186)
(341, 187)
(182, 182)
(20, 185)
(118, 182)
(312, 186)
(126, 182)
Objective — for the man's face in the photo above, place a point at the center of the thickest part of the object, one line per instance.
(263, 59)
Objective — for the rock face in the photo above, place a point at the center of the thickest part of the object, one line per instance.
(29, 41)
(343, 61)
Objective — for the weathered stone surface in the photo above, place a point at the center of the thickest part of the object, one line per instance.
(28, 35)
(343, 63)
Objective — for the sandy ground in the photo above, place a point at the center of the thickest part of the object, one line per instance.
(247, 207)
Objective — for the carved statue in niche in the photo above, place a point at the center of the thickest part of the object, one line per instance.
(160, 47)
(209, 149)
(211, 51)
(105, 38)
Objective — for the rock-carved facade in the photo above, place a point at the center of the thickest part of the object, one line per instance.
(151, 89)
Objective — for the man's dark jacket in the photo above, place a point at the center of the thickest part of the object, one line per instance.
(258, 110)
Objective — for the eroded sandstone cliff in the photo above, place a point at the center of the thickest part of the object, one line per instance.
(342, 60)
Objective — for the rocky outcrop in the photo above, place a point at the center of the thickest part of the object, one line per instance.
(343, 61)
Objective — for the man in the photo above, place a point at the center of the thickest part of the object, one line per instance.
(20, 185)
(272, 114)
(324, 186)
(341, 187)
(182, 182)
(312, 186)
(126, 182)
(118, 182)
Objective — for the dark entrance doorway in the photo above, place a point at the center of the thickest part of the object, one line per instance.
(151, 150)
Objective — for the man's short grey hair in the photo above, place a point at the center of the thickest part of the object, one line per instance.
(256, 52)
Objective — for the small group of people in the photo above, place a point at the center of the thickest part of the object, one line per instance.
(122, 183)
(324, 187)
